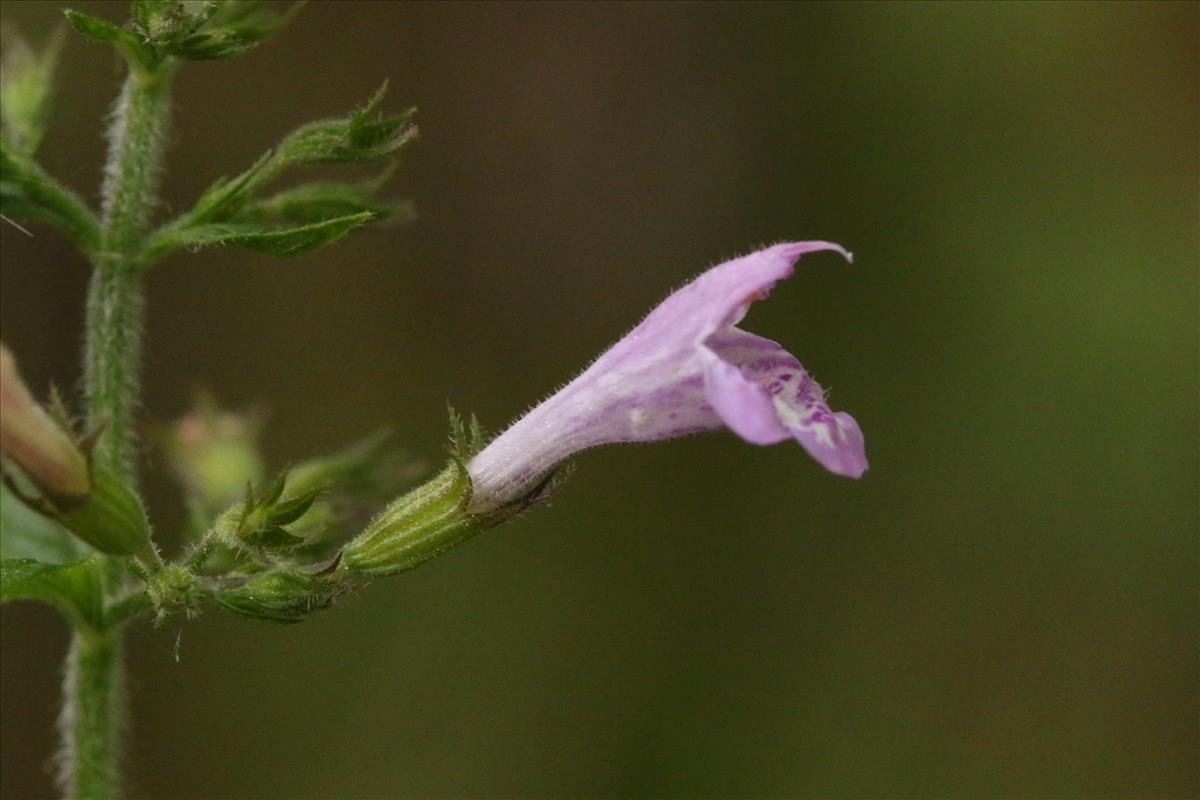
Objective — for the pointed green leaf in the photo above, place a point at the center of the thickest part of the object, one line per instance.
(366, 135)
(281, 242)
(225, 197)
(76, 589)
(317, 201)
(227, 213)
(288, 510)
(139, 54)
(273, 491)
(26, 81)
(28, 193)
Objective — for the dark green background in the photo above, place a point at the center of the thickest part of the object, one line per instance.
(1006, 605)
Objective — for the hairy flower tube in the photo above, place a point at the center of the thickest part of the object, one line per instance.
(685, 368)
(35, 442)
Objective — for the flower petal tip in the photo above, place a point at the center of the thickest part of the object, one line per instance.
(836, 444)
(793, 250)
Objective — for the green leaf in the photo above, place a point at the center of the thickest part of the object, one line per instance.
(281, 242)
(28, 193)
(139, 54)
(285, 512)
(274, 491)
(225, 197)
(366, 135)
(311, 202)
(24, 533)
(363, 135)
(75, 589)
(229, 211)
(26, 80)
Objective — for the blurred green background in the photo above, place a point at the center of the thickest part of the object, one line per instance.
(1005, 606)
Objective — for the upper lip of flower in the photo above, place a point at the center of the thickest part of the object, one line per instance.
(683, 368)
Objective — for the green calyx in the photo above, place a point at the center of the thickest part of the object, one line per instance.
(282, 595)
(261, 520)
(433, 518)
(111, 519)
(416, 527)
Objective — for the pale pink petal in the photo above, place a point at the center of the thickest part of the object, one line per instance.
(683, 369)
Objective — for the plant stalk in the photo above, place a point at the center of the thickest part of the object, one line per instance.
(90, 726)
(90, 715)
(114, 308)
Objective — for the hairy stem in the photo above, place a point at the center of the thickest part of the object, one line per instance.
(90, 715)
(114, 309)
(91, 704)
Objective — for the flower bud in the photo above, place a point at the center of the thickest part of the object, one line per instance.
(92, 504)
(36, 443)
(215, 454)
(418, 526)
(280, 596)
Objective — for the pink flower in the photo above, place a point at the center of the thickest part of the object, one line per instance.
(36, 443)
(686, 368)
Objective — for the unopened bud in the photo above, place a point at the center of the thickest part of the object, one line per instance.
(37, 444)
(280, 595)
(92, 504)
(215, 454)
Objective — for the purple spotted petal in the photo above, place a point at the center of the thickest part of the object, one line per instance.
(682, 370)
(775, 395)
(744, 405)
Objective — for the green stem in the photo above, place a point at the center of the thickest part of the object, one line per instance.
(90, 715)
(114, 312)
(114, 309)
(91, 705)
